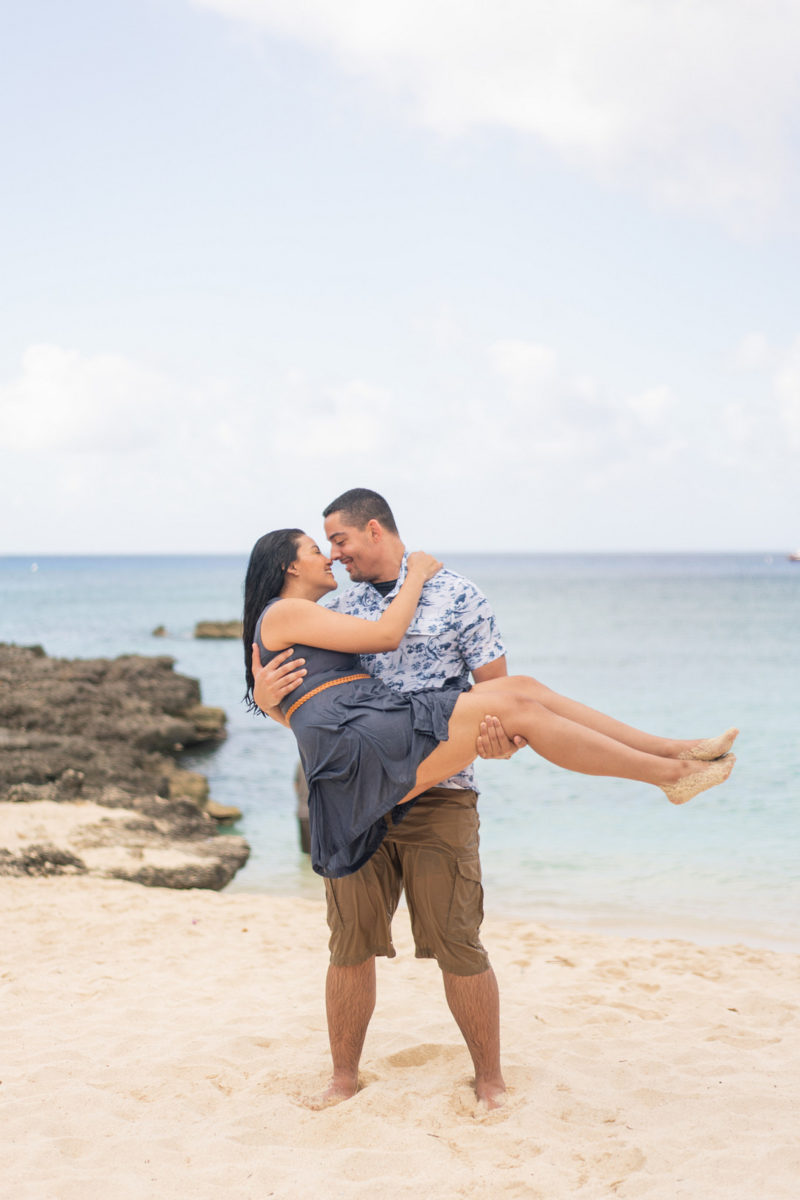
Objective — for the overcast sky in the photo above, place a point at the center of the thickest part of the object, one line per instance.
(530, 269)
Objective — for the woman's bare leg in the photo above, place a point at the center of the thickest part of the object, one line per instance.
(566, 743)
(573, 710)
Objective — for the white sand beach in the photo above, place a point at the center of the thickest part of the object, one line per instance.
(161, 1043)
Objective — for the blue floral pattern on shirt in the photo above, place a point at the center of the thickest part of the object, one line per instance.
(452, 633)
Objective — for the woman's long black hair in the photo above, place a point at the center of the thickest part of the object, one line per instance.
(269, 559)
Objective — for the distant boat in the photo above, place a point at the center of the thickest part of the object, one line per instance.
(794, 557)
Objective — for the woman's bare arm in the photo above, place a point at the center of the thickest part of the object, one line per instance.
(294, 620)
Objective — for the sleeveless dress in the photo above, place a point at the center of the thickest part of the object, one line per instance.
(360, 745)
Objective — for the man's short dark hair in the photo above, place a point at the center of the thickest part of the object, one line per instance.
(360, 505)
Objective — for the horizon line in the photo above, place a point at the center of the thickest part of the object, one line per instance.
(49, 554)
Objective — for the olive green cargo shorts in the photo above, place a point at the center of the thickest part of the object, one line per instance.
(433, 854)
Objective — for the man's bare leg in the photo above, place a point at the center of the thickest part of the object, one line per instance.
(474, 1001)
(349, 1002)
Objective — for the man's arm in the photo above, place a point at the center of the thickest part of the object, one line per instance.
(493, 742)
(481, 644)
(492, 670)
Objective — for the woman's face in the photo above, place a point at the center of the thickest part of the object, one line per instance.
(312, 567)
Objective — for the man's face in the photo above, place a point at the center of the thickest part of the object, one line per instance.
(358, 550)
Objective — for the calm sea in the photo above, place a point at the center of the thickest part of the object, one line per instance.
(681, 645)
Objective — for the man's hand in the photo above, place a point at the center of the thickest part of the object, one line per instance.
(493, 741)
(275, 679)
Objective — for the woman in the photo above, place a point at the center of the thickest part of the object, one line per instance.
(366, 749)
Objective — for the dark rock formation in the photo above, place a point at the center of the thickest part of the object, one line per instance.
(218, 629)
(105, 732)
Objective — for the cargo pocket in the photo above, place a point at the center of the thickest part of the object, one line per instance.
(466, 904)
(335, 919)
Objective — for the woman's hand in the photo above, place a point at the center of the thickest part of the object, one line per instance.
(426, 564)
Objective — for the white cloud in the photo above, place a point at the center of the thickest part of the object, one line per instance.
(444, 330)
(104, 405)
(765, 425)
(214, 467)
(65, 401)
(349, 419)
(752, 353)
(555, 413)
(740, 421)
(786, 383)
(316, 420)
(100, 449)
(651, 406)
(525, 365)
(693, 100)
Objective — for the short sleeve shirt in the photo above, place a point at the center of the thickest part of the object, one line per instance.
(452, 633)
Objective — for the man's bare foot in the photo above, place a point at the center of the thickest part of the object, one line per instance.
(491, 1094)
(709, 749)
(336, 1091)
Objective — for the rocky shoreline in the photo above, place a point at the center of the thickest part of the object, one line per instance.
(89, 777)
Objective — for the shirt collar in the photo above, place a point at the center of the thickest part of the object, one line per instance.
(401, 576)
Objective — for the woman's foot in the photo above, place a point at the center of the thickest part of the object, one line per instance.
(699, 781)
(710, 749)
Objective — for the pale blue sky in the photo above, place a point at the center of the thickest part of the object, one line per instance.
(531, 270)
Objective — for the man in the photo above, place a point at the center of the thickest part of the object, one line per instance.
(431, 847)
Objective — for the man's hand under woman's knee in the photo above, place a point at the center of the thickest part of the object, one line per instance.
(493, 742)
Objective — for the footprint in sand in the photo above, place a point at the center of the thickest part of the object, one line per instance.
(72, 1147)
(744, 1041)
(418, 1056)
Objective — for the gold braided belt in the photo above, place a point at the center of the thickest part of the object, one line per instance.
(322, 687)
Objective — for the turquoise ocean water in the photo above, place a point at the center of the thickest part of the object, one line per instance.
(681, 645)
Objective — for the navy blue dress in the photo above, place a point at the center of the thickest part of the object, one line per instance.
(360, 745)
